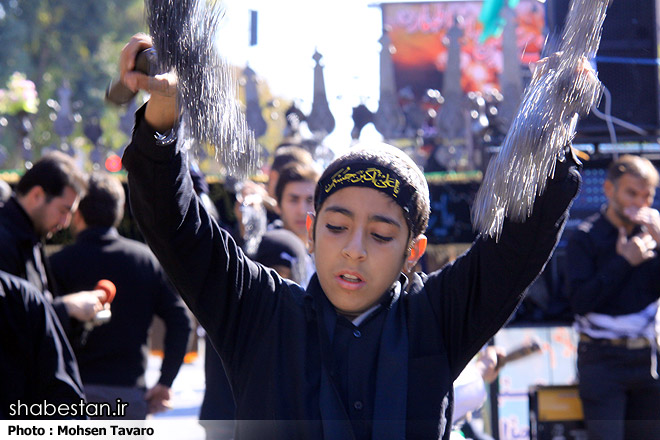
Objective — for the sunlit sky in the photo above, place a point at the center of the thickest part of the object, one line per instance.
(345, 32)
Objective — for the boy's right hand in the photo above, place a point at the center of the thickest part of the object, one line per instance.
(161, 112)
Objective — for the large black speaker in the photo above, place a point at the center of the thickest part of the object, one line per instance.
(627, 64)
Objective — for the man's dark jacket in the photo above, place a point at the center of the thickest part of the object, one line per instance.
(22, 254)
(37, 364)
(602, 281)
(115, 353)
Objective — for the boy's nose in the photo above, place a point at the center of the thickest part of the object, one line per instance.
(354, 248)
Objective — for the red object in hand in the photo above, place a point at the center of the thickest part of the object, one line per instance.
(109, 288)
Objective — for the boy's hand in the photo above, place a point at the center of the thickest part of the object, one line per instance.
(576, 89)
(161, 111)
(552, 61)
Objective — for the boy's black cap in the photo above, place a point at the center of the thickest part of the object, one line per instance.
(280, 247)
(385, 168)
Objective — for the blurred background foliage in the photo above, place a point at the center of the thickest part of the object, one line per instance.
(76, 44)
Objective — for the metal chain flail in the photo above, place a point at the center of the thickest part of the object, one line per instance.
(544, 125)
(184, 34)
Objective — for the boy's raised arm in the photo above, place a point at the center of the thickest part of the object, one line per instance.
(205, 264)
(482, 289)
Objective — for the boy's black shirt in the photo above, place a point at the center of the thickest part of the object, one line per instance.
(275, 338)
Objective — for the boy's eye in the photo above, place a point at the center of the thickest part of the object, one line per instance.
(333, 228)
(382, 238)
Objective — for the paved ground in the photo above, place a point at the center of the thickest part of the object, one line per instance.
(188, 390)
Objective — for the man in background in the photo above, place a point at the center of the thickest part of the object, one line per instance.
(295, 200)
(294, 193)
(44, 199)
(613, 271)
(112, 356)
(284, 156)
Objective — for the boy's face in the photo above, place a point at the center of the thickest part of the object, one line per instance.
(297, 201)
(360, 247)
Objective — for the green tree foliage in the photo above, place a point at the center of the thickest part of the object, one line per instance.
(67, 41)
(77, 43)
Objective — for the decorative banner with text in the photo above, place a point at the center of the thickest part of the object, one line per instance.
(418, 32)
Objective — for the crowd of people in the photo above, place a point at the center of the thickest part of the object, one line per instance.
(319, 323)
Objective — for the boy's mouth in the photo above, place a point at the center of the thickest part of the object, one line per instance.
(350, 281)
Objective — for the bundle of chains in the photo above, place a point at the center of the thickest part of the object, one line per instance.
(545, 123)
(184, 34)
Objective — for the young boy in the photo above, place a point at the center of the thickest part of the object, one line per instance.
(294, 193)
(353, 356)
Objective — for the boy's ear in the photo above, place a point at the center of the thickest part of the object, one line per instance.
(310, 232)
(417, 250)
